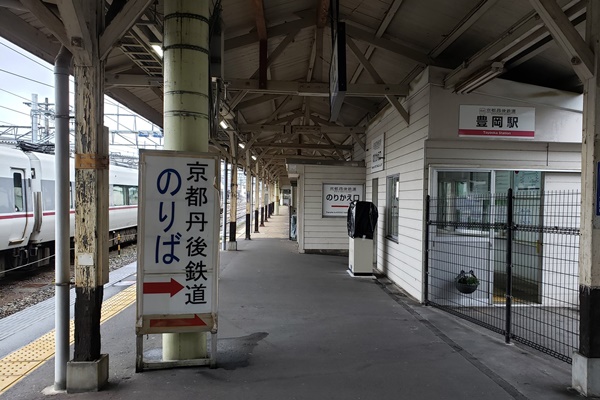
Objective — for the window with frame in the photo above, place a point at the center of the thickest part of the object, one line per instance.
(132, 195)
(18, 192)
(118, 195)
(393, 205)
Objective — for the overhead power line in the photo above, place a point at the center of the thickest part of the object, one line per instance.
(47, 66)
(24, 77)
(12, 109)
(16, 95)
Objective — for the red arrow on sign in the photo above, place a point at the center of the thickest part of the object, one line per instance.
(172, 287)
(174, 322)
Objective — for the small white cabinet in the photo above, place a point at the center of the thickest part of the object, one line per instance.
(360, 260)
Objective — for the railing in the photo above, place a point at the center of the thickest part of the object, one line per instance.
(522, 249)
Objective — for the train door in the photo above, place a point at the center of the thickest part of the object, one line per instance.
(19, 225)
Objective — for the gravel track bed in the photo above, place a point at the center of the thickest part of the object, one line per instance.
(21, 290)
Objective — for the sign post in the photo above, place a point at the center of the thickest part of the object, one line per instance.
(178, 254)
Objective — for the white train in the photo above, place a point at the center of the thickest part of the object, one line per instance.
(27, 209)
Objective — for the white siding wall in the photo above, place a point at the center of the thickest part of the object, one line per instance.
(504, 155)
(402, 262)
(432, 139)
(358, 154)
(557, 181)
(558, 124)
(558, 115)
(315, 231)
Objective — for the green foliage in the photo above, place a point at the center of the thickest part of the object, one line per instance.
(467, 278)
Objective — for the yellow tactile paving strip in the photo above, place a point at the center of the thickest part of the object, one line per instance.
(19, 363)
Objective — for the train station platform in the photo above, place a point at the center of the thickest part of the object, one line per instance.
(298, 326)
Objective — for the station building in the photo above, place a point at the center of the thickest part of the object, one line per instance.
(487, 195)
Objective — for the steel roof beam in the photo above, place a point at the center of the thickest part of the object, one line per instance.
(566, 36)
(388, 45)
(300, 129)
(259, 16)
(259, 100)
(278, 51)
(77, 30)
(49, 20)
(19, 32)
(361, 104)
(136, 104)
(303, 146)
(277, 110)
(389, 15)
(377, 78)
(473, 16)
(529, 26)
(317, 89)
(131, 80)
(123, 21)
(274, 31)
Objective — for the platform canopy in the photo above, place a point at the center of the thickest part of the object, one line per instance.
(277, 54)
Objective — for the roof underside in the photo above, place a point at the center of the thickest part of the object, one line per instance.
(397, 39)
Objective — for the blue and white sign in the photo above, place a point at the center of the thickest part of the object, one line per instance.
(178, 251)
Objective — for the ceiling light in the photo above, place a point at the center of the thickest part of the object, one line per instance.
(480, 78)
(242, 145)
(158, 50)
(254, 158)
(223, 124)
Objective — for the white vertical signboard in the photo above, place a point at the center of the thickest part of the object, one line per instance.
(178, 256)
(377, 148)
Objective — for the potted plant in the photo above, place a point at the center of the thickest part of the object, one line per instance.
(466, 282)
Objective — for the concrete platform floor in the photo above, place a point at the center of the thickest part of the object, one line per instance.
(297, 326)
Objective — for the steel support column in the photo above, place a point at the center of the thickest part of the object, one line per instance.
(586, 362)
(186, 114)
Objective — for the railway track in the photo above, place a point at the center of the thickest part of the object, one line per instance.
(23, 289)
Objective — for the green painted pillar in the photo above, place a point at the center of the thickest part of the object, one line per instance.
(186, 115)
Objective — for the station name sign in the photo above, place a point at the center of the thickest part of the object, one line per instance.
(178, 258)
(337, 198)
(496, 121)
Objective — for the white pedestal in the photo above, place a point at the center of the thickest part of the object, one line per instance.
(586, 375)
(360, 257)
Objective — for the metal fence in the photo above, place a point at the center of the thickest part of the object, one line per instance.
(517, 255)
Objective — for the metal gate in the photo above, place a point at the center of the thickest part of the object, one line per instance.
(509, 263)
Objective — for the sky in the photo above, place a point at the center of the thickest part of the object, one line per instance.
(23, 74)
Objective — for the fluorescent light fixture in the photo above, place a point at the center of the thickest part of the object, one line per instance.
(158, 50)
(223, 124)
(480, 78)
(254, 158)
(242, 145)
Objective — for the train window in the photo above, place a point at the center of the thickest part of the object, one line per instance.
(5, 192)
(132, 195)
(18, 190)
(71, 184)
(118, 195)
(48, 195)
